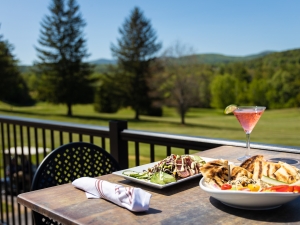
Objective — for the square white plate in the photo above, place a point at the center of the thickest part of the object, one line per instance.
(148, 183)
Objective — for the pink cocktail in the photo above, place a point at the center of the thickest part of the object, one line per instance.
(248, 116)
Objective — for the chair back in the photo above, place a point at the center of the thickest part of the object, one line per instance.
(69, 162)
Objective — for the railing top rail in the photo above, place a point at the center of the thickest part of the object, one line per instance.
(181, 140)
(173, 140)
(55, 125)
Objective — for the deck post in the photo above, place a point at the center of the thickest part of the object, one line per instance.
(118, 147)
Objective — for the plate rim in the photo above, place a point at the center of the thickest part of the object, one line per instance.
(231, 192)
(256, 203)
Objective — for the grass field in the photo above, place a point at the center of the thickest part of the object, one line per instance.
(275, 126)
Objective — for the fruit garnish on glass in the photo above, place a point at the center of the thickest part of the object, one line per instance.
(248, 117)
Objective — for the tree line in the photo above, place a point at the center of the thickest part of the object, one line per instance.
(141, 79)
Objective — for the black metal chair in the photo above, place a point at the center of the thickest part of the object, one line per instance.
(67, 163)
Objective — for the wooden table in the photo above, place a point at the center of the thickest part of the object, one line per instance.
(183, 203)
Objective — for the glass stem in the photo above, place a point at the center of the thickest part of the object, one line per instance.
(248, 144)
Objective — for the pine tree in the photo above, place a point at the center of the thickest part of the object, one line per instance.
(135, 51)
(13, 89)
(65, 77)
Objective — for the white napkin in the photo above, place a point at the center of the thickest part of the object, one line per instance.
(134, 199)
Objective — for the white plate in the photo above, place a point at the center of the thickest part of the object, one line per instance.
(249, 200)
(148, 183)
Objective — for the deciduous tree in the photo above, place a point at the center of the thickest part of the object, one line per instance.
(181, 81)
(223, 91)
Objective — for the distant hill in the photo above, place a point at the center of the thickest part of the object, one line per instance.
(101, 64)
(202, 58)
(219, 58)
(103, 61)
(24, 69)
(277, 59)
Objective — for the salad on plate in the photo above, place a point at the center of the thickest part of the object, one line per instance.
(170, 169)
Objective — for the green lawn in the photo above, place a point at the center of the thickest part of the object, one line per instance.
(275, 126)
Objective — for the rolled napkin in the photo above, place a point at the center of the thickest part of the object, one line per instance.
(134, 199)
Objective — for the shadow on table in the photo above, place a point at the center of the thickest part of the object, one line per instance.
(167, 191)
(150, 211)
(287, 213)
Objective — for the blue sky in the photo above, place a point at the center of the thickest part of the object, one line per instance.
(231, 27)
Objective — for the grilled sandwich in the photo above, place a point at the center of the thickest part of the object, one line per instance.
(215, 172)
(264, 168)
(248, 164)
(287, 173)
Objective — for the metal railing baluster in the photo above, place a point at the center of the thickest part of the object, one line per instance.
(61, 137)
(186, 151)
(36, 146)
(152, 153)
(44, 141)
(137, 153)
(91, 139)
(168, 150)
(70, 137)
(103, 145)
(52, 139)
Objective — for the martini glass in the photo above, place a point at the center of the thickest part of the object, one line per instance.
(248, 116)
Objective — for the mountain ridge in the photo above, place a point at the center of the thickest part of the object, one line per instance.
(103, 61)
(209, 58)
(202, 58)
(206, 58)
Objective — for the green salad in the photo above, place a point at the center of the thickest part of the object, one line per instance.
(170, 169)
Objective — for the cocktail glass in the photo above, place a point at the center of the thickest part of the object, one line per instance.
(248, 116)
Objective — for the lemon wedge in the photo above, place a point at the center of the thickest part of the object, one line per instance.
(230, 109)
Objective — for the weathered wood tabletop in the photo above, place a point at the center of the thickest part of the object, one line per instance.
(184, 203)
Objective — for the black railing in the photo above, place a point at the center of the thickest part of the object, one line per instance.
(25, 142)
